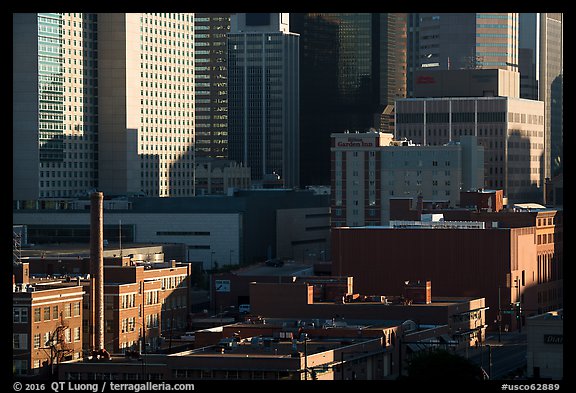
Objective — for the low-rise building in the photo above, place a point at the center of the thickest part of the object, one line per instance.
(545, 351)
(464, 317)
(46, 325)
(216, 230)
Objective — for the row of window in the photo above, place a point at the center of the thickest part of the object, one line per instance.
(42, 340)
(20, 314)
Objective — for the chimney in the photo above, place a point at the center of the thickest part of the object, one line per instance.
(419, 292)
(97, 270)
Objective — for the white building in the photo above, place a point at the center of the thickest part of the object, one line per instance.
(370, 168)
(102, 101)
(545, 337)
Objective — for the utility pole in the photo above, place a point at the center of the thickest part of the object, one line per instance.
(499, 316)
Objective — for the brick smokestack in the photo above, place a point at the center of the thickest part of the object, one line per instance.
(97, 270)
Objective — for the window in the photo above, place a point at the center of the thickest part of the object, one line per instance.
(46, 313)
(77, 333)
(77, 309)
(68, 310)
(54, 312)
(37, 314)
(37, 341)
(20, 366)
(19, 341)
(19, 315)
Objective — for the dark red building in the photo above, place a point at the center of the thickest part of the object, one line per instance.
(510, 267)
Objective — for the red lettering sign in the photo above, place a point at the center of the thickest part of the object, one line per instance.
(422, 79)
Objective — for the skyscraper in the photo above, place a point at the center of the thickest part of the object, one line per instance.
(541, 72)
(353, 67)
(146, 103)
(263, 96)
(463, 41)
(211, 86)
(102, 101)
(55, 105)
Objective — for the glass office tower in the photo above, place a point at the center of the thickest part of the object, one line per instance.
(263, 96)
(353, 67)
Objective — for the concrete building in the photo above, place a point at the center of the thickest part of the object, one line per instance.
(263, 95)
(216, 177)
(211, 84)
(510, 129)
(545, 353)
(46, 324)
(230, 290)
(217, 230)
(146, 129)
(370, 168)
(103, 101)
(55, 104)
(512, 259)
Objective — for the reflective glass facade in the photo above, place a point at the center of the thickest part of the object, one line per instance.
(352, 66)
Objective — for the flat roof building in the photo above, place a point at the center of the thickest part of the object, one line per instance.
(545, 352)
(514, 260)
(370, 168)
(243, 227)
(277, 350)
(46, 325)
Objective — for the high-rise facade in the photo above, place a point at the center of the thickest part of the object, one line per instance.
(102, 101)
(450, 105)
(263, 96)
(551, 88)
(55, 105)
(211, 84)
(353, 67)
(541, 72)
(463, 41)
(146, 103)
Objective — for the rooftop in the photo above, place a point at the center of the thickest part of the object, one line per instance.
(289, 268)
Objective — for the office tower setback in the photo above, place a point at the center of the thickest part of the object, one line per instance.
(102, 101)
(263, 96)
(211, 85)
(483, 103)
(353, 67)
(453, 41)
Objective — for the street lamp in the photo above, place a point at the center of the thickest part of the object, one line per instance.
(305, 338)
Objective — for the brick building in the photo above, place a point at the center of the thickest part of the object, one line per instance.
(513, 259)
(46, 325)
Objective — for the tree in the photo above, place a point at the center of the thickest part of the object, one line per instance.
(439, 363)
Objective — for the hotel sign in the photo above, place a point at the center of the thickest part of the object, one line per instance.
(355, 142)
(553, 339)
(425, 79)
